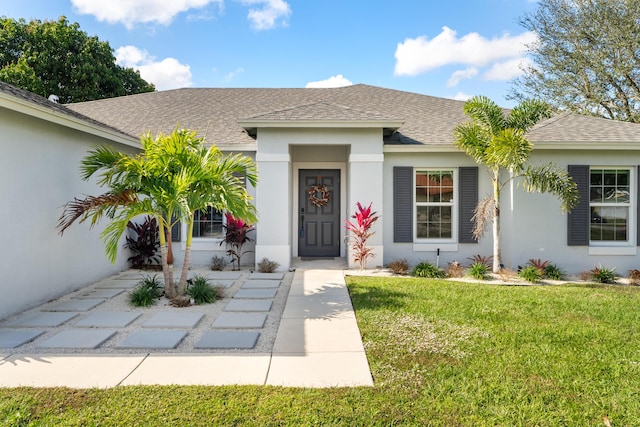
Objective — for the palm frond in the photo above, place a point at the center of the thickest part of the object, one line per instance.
(93, 207)
(508, 149)
(483, 215)
(486, 113)
(526, 114)
(552, 179)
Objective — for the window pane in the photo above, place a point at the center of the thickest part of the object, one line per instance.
(609, 186)
(609, 223)
(435, 195)
(207, 223)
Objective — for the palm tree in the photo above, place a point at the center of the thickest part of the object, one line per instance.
(497, 140)
(173, 176)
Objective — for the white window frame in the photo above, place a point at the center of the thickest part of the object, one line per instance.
(203, 243)
(454, 209)
(601, 247)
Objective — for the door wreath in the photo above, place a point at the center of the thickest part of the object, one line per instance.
(318, 195)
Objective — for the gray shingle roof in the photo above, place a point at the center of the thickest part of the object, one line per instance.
(426, 119)
(575, 128)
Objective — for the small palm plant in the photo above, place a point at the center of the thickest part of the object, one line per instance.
(361, 231)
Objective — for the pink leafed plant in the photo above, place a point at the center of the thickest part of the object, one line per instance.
(360, 231)
(235, 236)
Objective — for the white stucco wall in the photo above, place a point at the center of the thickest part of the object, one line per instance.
(532, 225)
(541, 228)
(39, 171)
(418, 252)
(281, 153)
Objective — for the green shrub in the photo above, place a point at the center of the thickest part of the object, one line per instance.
(428, 270)
(553, 272)
(399, 266)
(478, 271)
(603, 275)
(201, 291)
(530, 274)
(146, 292)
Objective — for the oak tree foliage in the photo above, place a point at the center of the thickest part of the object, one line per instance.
(57, 57)
(586, 58)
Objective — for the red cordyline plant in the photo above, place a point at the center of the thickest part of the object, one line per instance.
(235, 236)
(361, 231)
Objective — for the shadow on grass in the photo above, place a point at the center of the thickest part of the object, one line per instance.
(366, 297)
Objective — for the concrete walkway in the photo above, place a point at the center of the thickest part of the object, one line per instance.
(318, 344)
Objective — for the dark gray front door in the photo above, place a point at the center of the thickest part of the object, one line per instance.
(319, 226)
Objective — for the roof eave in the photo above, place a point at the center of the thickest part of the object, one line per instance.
(26, 107)
(251, 124)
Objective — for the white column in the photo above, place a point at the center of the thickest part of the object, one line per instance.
(273, 201)
(365, 186)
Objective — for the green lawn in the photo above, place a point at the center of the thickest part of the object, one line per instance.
(442, 353)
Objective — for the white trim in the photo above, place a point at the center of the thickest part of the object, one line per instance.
(295, 202)
(421, 148)
(454, 209)
(339, 124)
(366, 158)
(613, 250)
(433, 247)
(619, 247)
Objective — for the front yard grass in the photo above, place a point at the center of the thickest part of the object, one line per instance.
(442, 353)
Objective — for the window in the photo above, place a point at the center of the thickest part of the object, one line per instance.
(609, 205)
(207, 223)
(434, 199)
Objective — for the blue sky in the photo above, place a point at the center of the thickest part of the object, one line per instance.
(452, 49)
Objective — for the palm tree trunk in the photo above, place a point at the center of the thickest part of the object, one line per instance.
(497, 261)
(167, 269)
(182, 284)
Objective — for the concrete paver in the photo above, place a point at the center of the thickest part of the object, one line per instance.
(100, 293)
(318, 342)
(10, 338)
(42, 370)
(42, 319)
(74, 305)
(256, 293)
(173, 320)
(108, 319)
(248, 305)
(228, 340)
(261, 284)
(153, 338)
(78, 338)
(240, 320)
(203, 369)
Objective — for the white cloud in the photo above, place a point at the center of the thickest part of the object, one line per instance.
(333, 81)
(507, 70)
(231, 75)
(166, 74)
(271, 14)
(461, 96)
(416, 56)
(130, 12)
(462, 74)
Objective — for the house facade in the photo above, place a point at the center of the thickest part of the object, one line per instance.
(321, 151)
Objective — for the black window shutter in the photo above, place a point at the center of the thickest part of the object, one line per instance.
(638, 207)
(467, 202)
(578, 218)
(175, 230)
(402, 204)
